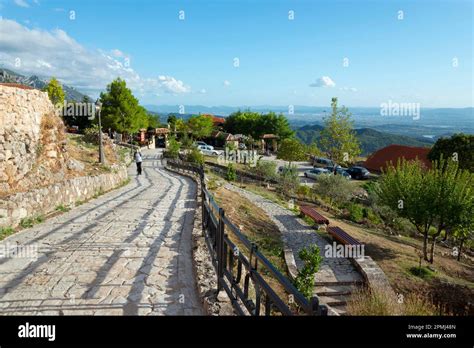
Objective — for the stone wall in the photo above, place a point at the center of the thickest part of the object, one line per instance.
(45, 200)
(21, 113)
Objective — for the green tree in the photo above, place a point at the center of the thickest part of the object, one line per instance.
(338, 138)
(200, 126)
(121, 110)
(312, 259)
(459, 147)
(336, 188)
(291, 150)
(55, 92)
(433, 201)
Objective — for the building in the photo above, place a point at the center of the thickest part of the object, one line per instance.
(382, 158)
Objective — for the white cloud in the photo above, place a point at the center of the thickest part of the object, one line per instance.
(55, 53)
(348, 89)
(171, 85)
(21, 3)
(323, 81)
(226, 83)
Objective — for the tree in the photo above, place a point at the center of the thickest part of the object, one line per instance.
(121, 110)
(55, 92)
(200, 126)
(458, 147)
(336, 188)
(433, 201)
(274, 124)
(291, 150)
(153, 121)
(338, 138)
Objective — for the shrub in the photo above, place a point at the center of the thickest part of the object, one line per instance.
(172, 150)
(371, 216)
(231, 174)
(303, 190)
(304, 282)
(91, 135)
(265, 169)
(289, 180)
(335, 188)
(195, 156)
(356, 212)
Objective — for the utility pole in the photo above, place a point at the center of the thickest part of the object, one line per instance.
(98, 106)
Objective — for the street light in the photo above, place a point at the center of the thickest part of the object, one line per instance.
(98, 106)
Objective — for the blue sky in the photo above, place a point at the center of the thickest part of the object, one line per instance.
(166, 60)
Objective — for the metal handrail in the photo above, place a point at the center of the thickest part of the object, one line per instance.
(219, 243)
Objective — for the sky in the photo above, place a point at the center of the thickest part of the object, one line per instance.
(243, 52)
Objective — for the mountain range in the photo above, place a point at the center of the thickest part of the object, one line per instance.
(370, 140)
(8, 76)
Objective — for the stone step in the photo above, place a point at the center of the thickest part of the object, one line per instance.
(333, 283)
(334, 290)
(334, 301)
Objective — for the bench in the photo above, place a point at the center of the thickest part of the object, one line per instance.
(342, 236)
(313, 214)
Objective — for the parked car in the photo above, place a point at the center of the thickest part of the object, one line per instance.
(339, 171)
(208, 150)
(321, 162)
(358, 173)
(316, 172)
(242, 146)
(202, 143)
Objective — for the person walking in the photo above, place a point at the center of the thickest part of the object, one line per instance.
(138, 161)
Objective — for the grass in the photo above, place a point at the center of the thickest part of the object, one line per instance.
(5, 232)
(421, 272)
(368, 302)
(62, 208)
(31, 221)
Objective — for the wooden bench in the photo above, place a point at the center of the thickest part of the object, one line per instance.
(313, 214)
(342, 236)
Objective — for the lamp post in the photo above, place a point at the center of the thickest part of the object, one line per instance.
(98, 106)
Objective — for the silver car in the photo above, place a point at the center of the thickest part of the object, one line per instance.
(316, 172)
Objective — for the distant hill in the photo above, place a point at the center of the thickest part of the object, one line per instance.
(370, 139)
(34, 81)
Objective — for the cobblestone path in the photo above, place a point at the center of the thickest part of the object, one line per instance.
(127, 252)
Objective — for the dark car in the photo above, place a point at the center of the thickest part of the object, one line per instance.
(322, 162)
(358, 173)
(339, 171)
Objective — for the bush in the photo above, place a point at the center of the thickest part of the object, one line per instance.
(288, 180)
(91, 135)
(195, 156)
(335, 188)
(303, 191)
(304, 282)
(356, 212)
(265, 169)
(371, 216)
(173, 149)
(231, 174)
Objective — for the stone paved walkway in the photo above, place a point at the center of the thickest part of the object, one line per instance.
(126, 253)
(297, 234)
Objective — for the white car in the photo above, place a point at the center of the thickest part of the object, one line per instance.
(202, 143)
(314, 173)
(208, 150)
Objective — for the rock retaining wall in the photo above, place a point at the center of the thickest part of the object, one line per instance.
(21, 113)
(45, 200)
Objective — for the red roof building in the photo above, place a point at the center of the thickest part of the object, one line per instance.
(382, 158)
